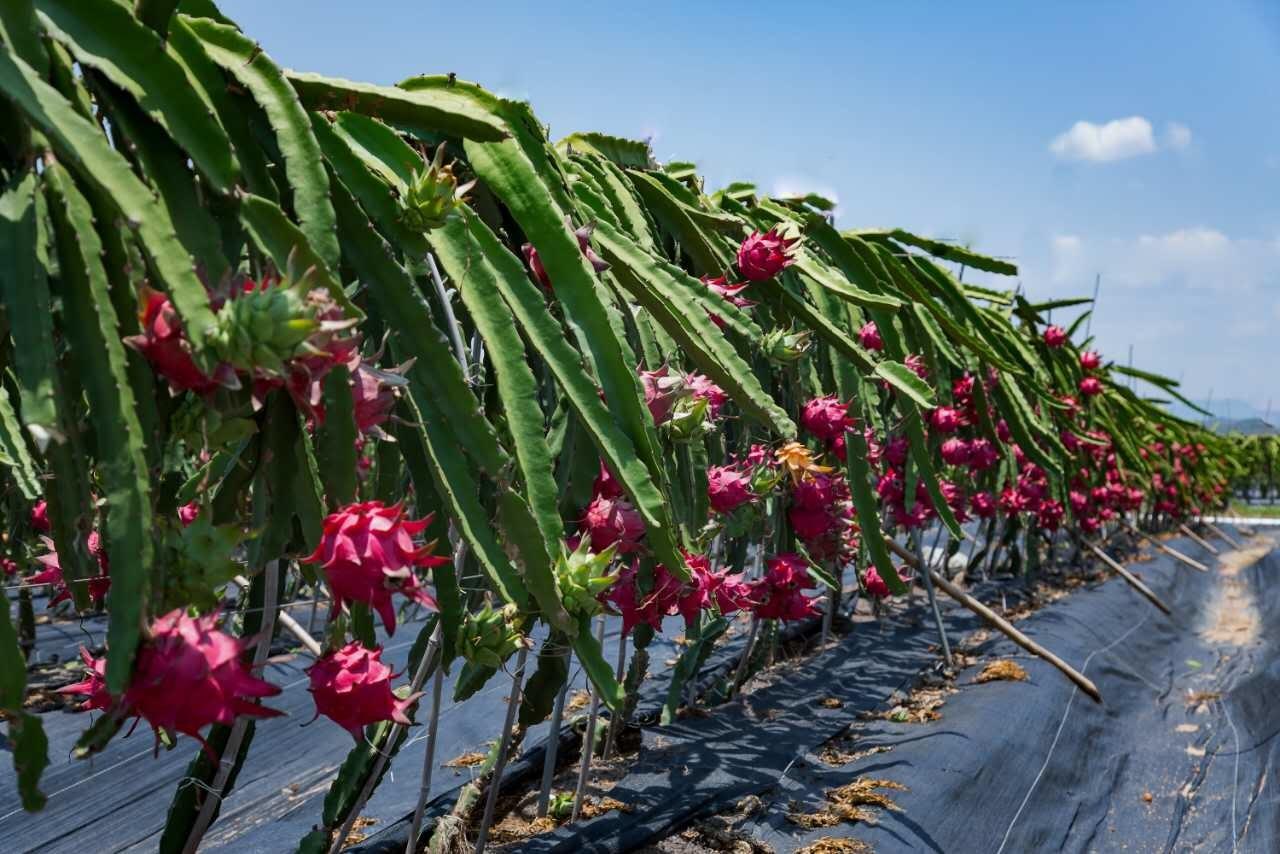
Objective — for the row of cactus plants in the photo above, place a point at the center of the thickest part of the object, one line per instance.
(267, 331)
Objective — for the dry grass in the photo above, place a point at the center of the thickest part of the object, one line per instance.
(846, 803)
(466, 760)
(836, 845)
(1002, 669)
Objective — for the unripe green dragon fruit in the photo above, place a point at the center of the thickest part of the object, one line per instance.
(433, 195)
(489, 637)
(783, 346)
(582, 576)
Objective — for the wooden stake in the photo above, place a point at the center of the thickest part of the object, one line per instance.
(1173, 553)
(1000, 624)
(1133, 580)
(495, 780)
(1223, 534)
(1199, 540)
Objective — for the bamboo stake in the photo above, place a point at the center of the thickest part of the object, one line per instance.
(428, 762)
(1223, 534)
(295, 628)
(588, 739)
(553, 743)
(1199, 540)
(1133, 580)
(1171, 552)
(495, 780)
(430, 660)
(615, 718)
(1000, 624)
(227, 761)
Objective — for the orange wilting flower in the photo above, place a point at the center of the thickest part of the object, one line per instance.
(798, 461)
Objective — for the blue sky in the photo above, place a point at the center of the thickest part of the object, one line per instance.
(958, 120)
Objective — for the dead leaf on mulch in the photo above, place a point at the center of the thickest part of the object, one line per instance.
(466, 760)
(1002, 669)
(579, 700)
(836, 845)
(845, 804)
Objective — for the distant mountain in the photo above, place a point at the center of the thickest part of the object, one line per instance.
(1226, 409)
(1245, 426)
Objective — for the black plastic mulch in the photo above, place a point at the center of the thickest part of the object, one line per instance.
(1176, 759)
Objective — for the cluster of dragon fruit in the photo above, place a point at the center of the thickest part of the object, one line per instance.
(282, 334)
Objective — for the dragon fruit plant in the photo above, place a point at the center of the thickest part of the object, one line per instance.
(258, 344)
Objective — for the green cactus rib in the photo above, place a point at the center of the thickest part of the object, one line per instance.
(547, 338)
(336, 439)
(19, 28)
(663, 289)
(156, 14)
(420, 112)
(378, 146)
(303, 163)
(83, 147)
(25, 293)
(813, 318)
(709, 253)
(945, 251)
(105, 36)
(621, 195)
(591, 657)
(511, 176)
(625, 153)
(99, 356)
(165, 166)
(445, 424)
(864, 506)
(903, 379)
(284, 242)
(402, 304)
(475, 278)
(13, 449)
(520, 527)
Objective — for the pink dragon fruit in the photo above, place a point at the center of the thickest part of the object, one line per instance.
(1050, 514)
(605, 485)
(610, 521)
(583, 235)
(40, 517)
(917, 365)
(869, 336)
(780, 592)
(352, 687)
(367, 553)
(1090, 360)
(955, 452)
(946, 419)
(167, 350)
(729, 293)
(982, 505)
(373, 397)
(661, 391)
(875, 585)
(94, 685)
(1054, 336)
(702, 388)
(895, 451)
(659, 602)
(728, 488)
(98, 585)
(962, 388)
(188, 674)
(8, 567)
(982, 455)
(763, 256)
(188, 513)
(826, 417)
(1091, 386)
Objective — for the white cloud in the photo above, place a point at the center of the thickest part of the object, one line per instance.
(1199, 257)
(1115, 140)
(798, 185)
(1177, 136)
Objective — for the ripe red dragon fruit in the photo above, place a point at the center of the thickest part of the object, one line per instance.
(8, 567)
(1091, 386)
(702, 388)
(40, 517)
(875, 585)
(781, 592)
(610, 521)
(584, 243)
(188, 675)
(367, 553)
(917, 365)
(955, 452)
(826, 417)
(946, 419)
(728, 592)
(729, 293)
(1050, 514)
(1002, 430)
(1090, 360)
(763, 256)
(352, 687)
(962, 388)
(982, 505)
(895, 451)
(167, 350)
(1054, 336)
(982, 454)
(661, 391)
(728, 488)
(188, 513)
(661, 600)
(373, 397)
(98, 585)
(869, 336)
